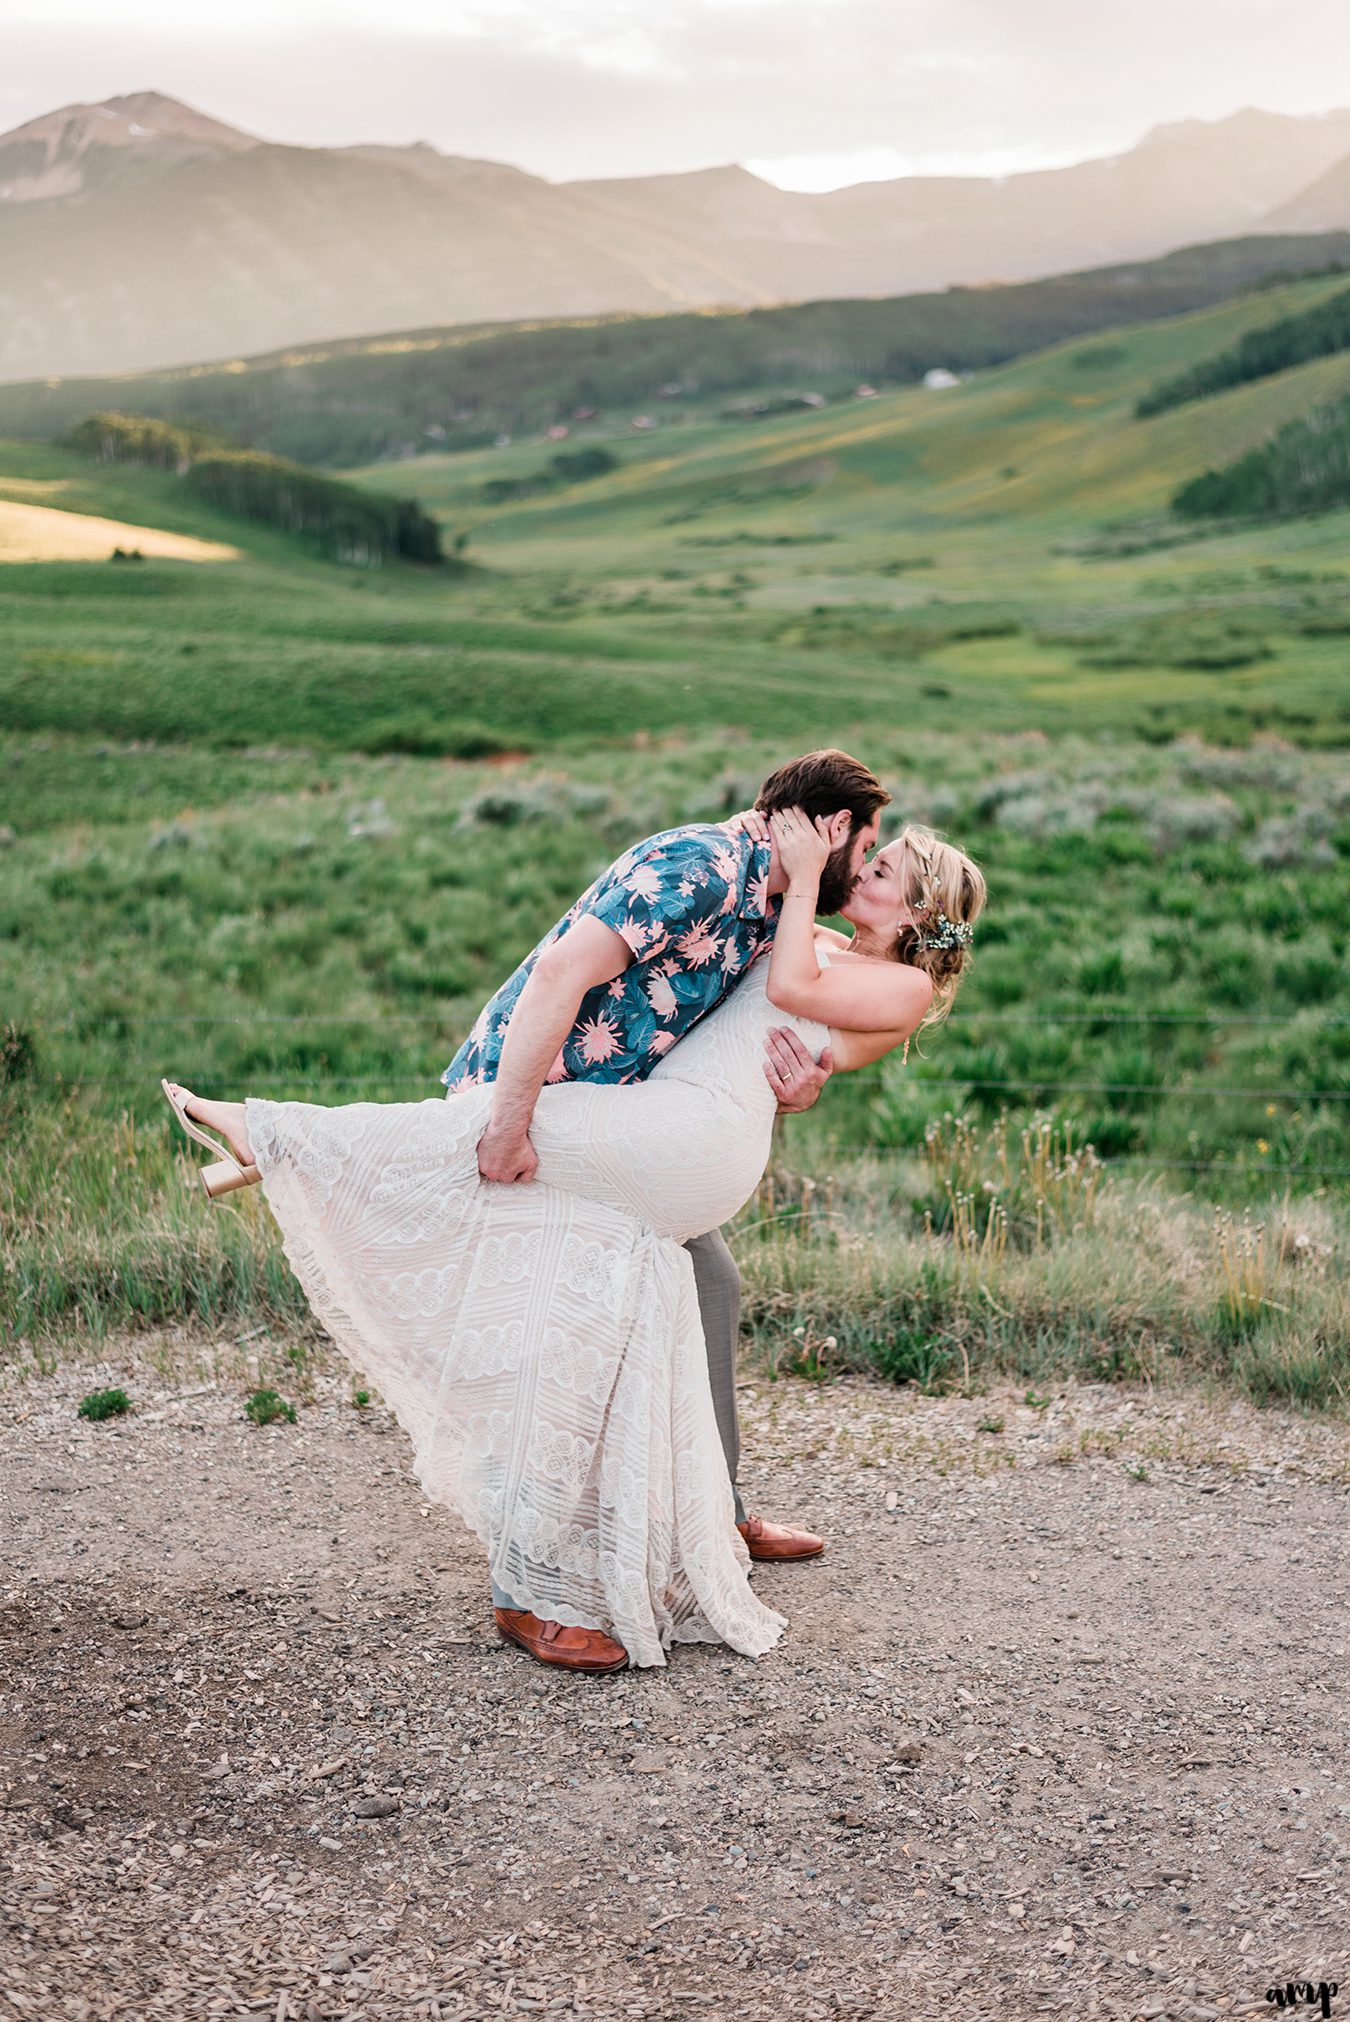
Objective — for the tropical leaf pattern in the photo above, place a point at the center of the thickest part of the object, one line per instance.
(692, 903)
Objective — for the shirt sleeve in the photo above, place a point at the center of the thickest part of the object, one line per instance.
(663, 897)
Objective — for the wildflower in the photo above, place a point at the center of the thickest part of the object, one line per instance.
(1262, 1146)
(945, 933)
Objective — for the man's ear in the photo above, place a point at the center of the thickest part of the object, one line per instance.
(840, 826)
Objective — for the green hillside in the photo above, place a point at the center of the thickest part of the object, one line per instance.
(355, 400)
(1318, 332)
(1017, 458)
(1006, 541)
(268, 824)
(1303, 468)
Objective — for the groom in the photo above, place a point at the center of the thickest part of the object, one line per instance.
(660, 938)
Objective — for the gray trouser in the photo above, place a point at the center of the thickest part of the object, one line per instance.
(719, 1303)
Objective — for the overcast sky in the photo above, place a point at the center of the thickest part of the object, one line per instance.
(809, 93)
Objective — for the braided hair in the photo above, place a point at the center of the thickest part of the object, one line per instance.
(946, 891)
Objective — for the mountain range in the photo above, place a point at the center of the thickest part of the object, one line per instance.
(139, 233)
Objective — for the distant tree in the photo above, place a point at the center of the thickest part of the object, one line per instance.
(1305, 468)
(570, 466)
(1316, 333)
(350, 524)
(575, 466)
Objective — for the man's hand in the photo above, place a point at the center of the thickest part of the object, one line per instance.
(752, 823)
(795, 1078)
(506, 1158)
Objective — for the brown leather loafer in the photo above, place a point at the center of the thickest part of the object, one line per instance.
(778, 1543)
(588, 1650)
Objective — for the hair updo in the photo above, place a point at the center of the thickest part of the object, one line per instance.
(936, 879)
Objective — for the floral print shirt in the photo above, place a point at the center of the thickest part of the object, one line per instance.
(692, 904)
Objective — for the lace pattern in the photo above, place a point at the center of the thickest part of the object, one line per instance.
(541, 1344)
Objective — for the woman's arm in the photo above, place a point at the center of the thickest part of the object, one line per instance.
(889, 997)
(794, 971)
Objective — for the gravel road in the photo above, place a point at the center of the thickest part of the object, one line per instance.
(1058, 1726)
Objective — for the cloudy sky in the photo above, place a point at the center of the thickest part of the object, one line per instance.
(809, 93)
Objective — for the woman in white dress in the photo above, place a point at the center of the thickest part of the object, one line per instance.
(541, 1344)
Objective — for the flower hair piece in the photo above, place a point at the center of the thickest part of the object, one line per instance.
(945, 933)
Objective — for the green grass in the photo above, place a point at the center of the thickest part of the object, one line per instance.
(253, 835)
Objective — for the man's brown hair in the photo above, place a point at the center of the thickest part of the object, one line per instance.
(822, 783)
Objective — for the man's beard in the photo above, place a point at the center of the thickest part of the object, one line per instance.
(836, 880)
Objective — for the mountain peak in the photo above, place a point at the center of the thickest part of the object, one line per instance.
(1247, 123)
(77, 147)
(165, 115)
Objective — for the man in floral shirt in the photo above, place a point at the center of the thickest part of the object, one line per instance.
(656, 942)
(692, 907)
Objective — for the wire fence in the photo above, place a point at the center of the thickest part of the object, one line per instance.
(435, 1018)
(1041, 1088)
(1033, 1083)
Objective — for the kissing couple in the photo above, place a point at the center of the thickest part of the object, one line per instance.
(531, 1269)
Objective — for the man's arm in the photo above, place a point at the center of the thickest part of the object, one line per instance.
(544, 1013)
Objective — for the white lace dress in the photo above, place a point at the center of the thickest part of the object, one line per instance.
(541, 1344)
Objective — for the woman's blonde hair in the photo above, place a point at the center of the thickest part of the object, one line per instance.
(947, 891)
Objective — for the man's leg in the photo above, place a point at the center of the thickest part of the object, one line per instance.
(719, 1302)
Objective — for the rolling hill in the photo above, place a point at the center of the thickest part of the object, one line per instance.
(139, 232)
(990, 476)
(1002, 547)
(353, 401)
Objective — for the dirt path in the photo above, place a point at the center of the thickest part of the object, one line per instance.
(1043, 1736)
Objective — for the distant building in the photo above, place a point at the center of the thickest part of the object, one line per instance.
(643, 421)
(584, 413)
(864, 393)
(940, 376)
(558, 433)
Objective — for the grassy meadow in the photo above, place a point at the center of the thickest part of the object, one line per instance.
(278, 825)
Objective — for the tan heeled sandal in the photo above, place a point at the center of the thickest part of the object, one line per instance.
(216, 1179)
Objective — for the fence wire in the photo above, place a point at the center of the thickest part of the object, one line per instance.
(435, 1018)
(428, 1081)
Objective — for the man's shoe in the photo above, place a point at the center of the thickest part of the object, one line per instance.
(588, 1650)
(776, 1542)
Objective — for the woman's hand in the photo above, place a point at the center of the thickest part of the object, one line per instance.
(803, 844)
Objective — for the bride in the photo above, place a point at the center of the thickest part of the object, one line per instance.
(541, 1344)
